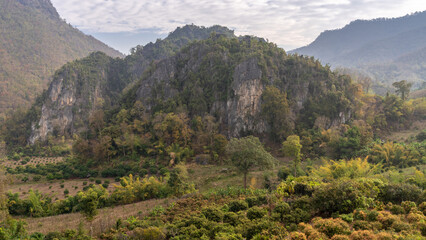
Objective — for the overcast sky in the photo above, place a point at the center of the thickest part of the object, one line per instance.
(123, 24)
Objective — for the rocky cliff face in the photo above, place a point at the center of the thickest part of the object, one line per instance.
(73, 94)
(230, 88)
(220, 76)
(76, 90)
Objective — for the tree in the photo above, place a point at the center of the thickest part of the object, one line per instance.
(292, 148)
(275, 109)
(248, 153)
(402, 87)
(90, 200)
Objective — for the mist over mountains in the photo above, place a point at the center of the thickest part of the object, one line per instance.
(388, 50)
(34, 42)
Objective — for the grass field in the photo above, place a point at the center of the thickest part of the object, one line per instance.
(403, 136)
(106, 218)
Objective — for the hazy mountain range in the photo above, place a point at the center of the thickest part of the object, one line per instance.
(388, 50)
(34, 42)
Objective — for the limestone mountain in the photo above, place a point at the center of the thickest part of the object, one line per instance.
(34, 42)
(82, 86)
(222, 76)
(379, 47)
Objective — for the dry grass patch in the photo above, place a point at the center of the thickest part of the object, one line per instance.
(105, 220)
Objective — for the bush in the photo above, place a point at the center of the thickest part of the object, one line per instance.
(213, 214)
(66, 192)
(105, 185)
(331, 227)
(62, 185)
(283, 173)
(399, 226)
(237, 205)
(280, 211)
(396, 209)
(150, 233)
(36, 178)
(297, 236)
(255, 213)
(340, 237)
(231, 218)
(84, 183)
(98, 181)
(363, 235)
(397, 193)
(342, 197)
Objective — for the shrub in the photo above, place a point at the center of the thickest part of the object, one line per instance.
(280, 211)
(36, 178)
(84, 183)
(283, 173)
(397, 193)
(231, 218)
(150, 233)
(66, 192)
(213, 214)
(342, 197)
(399, 226)
(423, 229)
(62, 185)
(331, 227)
(408, 206)
(386, 219)
(384, 236)
(255, 213)
(396, 209)
(237, 205)
(340, 237)
(363, 235)
(98, 181)
(297, 236)
(105, 185)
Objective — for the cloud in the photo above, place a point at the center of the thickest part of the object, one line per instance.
(289, 23)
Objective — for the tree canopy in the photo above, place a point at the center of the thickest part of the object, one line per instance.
(248, 153)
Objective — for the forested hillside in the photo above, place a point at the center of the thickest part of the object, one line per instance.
(387, 49)
(34, 43)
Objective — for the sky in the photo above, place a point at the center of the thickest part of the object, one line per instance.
(123, 24)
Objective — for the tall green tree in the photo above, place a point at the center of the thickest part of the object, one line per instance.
(275, 109)
(248, 153)
(292, 148)
(403, 88)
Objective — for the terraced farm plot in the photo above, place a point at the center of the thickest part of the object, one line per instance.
(8, 163)
(57, 188)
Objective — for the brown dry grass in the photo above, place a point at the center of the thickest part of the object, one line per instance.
(404, 135)
(105, 220)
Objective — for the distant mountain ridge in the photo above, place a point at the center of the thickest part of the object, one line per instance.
(34, 42)
(371, 45)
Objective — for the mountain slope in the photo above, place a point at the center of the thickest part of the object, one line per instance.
(96, 82)
(375, 46)
(222, 76)
(34, 42)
